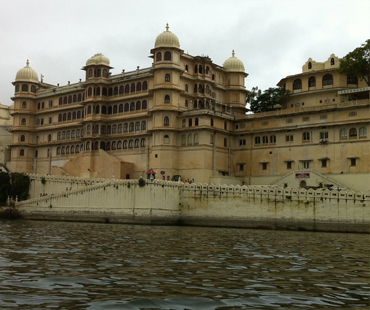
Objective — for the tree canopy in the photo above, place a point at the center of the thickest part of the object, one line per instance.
(357, 63)
(267, 100)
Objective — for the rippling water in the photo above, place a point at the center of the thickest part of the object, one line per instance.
(46, 265)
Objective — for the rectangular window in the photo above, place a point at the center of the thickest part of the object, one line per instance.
(265, 123)
(264, 166)
(289, 120)
(241, 167)
(289, 138)
(242, 142)
(324, 163)
(353, 162)
(306, 164)
(352, 113)
(323, 116)
(324, 135)
(289, 165)
(305, 119)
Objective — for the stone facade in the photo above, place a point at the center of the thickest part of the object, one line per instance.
(186, 116)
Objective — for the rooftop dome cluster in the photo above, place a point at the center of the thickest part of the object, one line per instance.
(98, 59)
(27, 74)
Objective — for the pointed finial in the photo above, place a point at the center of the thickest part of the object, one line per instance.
(167, 27)
(233, 53)
(28, 62)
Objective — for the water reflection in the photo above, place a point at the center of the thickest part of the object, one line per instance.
(104, 266)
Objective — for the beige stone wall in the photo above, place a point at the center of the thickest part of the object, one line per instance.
(212, 205)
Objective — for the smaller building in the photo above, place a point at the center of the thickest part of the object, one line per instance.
(6, 123)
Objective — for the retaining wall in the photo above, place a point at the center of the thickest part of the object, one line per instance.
(174, 203)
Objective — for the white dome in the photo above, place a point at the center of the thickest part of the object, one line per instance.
(27, 74)
(234, 64)
(167, 39)
(98, 59)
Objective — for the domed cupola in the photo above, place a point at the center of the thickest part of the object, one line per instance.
(234, 64)
(27, 74)
(167, 39)
(98, 59)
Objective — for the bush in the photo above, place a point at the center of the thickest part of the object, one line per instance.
(20, 186)
(43, 180)
(141, 182)
(4, 187)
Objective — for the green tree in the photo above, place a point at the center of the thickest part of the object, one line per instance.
(266, 101)
(20, 186)
(4, 187)
(357, 63)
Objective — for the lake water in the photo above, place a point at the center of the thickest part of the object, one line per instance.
(57, 265)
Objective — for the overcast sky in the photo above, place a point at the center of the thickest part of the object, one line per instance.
(272, 38)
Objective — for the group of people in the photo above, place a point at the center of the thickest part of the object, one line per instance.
(190, 181)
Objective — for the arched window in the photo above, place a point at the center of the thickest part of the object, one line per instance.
(125, 144)
(90, 73)
(145, 85)
(72, 149)
(186, 103)
(132, 106)
(195, 88)
(58, 150)
(327, 80)
(89, 92)
(133, 87)
(24, 87)
(104, 91)
(67, 150)
(200, 69)
(186, 87)
(120, 128)
(98, 72)
(63, 150)
(143, 125)
(144, 106)
(131, 144)
(74, 98)
(257, 140)
(115, 92)
(183, 140)
(343, 133)
(97, 109)
(121, 90)
(332, 61)
(114, 129)
(225, 142)
(137, 143)
(297, 84)
(120, 108)
(107, 146)
(17, 88)
(312, 82)
(60, 101)
(196, 139)
(127, 107)
(131, 127)
(49, 138)
(159, 56)
(64, 117)
(105, 73)
(114, 145)
(79, 98)
(138, 86)
(310, 65)
(184, 123)
(167, 99)
(89, 109)
(88, 130)
(265, 139)
(142, 142)
(103, 109)
(102, 129)
(190, 139)
(68, 135)
(127, 89)
(137, 126)
(190, 122)
(138, 105)
(59, 136)
(196, 69)
(273, 139)
(69, 117)
(73, 134)
(88, 146)
(110, 91)
(23, 138)
(167, 77)
(109, 110)
(23, 121)
(65, 100)
(186, 68)
(166, 121)
(196, 123)
(96, 129)
(77, 149)
(353, 132)
(119, 145)
(33, 89)
(211, 139)
(362, 132)
(125, 127)
(166, 139)
(69, 99)
(167, 55)
(78, 114)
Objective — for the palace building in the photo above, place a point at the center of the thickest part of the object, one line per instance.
(186, 116)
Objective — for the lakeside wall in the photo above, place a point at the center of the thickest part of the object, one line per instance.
(173, 203)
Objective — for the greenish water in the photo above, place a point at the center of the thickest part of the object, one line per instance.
(56, 265)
